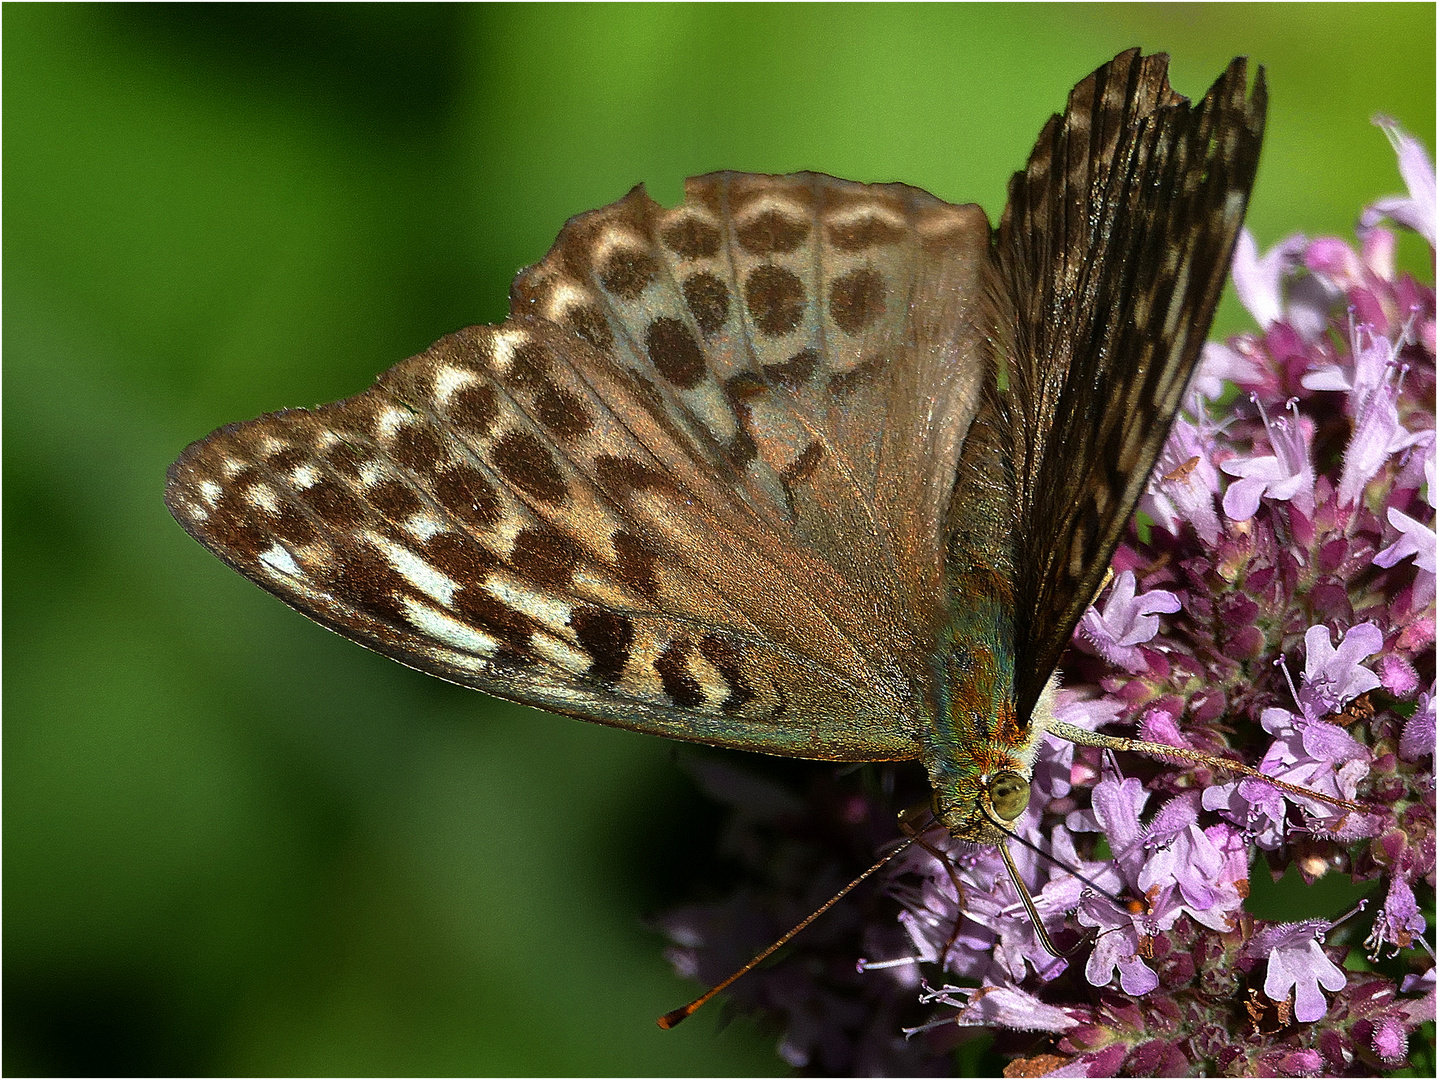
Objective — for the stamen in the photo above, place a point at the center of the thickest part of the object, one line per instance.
(1282, 664)
(880, 965)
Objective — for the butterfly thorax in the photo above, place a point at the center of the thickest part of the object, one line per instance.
(978, 750)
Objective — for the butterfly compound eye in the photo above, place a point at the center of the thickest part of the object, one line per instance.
(1009, 794)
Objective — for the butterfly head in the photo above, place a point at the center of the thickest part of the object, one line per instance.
(982, 766)
(983, 811)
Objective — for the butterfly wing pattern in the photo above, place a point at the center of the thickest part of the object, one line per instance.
(717, 474)
(649, 497)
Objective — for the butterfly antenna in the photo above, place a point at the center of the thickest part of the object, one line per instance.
(669, 1019)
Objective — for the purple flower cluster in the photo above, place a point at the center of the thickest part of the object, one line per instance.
(1290, 529)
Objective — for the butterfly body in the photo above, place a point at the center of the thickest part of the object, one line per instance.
(802, 466)
(977, 733)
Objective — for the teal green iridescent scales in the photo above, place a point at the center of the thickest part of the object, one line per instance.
(975, 734)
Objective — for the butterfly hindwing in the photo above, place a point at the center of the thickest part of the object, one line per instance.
(837, 327)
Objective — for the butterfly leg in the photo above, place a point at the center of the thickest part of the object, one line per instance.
(1162, 750)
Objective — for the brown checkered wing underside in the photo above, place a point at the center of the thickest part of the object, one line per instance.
(695, 485)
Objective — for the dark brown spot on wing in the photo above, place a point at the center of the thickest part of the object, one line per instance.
(237, 532)
(846, 382)
(472, 409)
(529, 366)
(690, 238)
(291, 526)
(740, 389)
(416, 446)
(282, 461)
(772, 233)
(626, 273)
(728, 660)
(349, 461)
(332, 503)
(804, 465)
(467, 494)
(673, 668)
(482, 611)
(776, 300)
(394, 499)
(856, 300)
(607, 636)
(562, 412)
(523, 460)
(459, 558)
(795, 371)
(865, 233)
(623, 476)
(674, 352)
(545, 555)
(636, 565)
(708, 300)
(589, 323)
(365, 580)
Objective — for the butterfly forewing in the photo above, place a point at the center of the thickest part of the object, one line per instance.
(1110, 259)
(693, 486)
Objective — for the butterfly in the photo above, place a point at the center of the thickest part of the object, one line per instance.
(801, 465)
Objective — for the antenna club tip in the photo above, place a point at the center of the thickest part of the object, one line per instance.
(670, 1019)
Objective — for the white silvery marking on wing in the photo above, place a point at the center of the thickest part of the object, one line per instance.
(1175, 301)
(304, 476)
(505, 342)
(565, 695)
(785, 208)
(639, 674)
(515, 594)
(210, 491)
(863, 215)
(436, 624)
(565, 295)
(713, 409)
(711, 683)
(449, 379)
(280, 561)
(423, 525)
(560, 654)
(388, 423)
(617, 240)
(262, 496)
(1233, 207)
(467, 660)
(416, 571)
(509, 526)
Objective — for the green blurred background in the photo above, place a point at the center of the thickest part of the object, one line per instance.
(235, 843)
